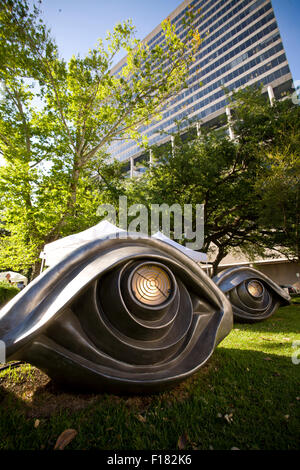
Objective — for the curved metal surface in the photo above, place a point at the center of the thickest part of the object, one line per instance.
(253, 295)
(81, 323)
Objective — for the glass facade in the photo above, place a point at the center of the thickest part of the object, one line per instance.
(243, 47)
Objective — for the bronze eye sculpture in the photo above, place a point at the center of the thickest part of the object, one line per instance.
(118, 314)
(253, 295)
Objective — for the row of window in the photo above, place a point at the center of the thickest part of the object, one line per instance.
(218, 83)
(216, 106)
(213, 47)
(217, 17)
(221, 104)
(208, 16)
(187, 92)
(228, 66)
(205, 27)
(237, 40)
(178, 30)
(221, 82)
(155, 39)
(224, 38)
(246, 33)
(210, 38)
(196, 3)
(240, 15)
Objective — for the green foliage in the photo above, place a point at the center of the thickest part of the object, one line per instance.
(209, 170)
(57, 120)
(7, 292)
(271, 135)
(250, 186)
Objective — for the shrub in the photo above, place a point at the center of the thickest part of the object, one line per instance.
(7, 292)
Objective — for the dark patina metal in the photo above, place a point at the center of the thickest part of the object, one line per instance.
(80, 323)
(253, 295)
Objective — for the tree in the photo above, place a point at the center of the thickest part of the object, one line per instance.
(238, 181)
(207, 170)
(279, 203)
(57, 120)
(271, 133)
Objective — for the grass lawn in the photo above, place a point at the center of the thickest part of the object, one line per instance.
(247, 397)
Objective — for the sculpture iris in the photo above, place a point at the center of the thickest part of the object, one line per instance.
(253, 295)
(151, 284)
(118, 314)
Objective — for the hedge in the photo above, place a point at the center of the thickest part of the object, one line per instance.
(7, 292)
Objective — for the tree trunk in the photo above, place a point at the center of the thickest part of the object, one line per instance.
(221, 254)
(36, 269)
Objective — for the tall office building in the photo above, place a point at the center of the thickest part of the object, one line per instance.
(243, 47)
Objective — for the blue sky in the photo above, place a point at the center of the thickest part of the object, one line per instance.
(77, 24)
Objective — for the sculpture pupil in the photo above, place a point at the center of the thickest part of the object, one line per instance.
(255, 288)
(151, 285)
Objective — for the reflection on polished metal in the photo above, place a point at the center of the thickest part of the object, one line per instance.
(255, 288)
(151, 284)
(253, 295)
(118, 314)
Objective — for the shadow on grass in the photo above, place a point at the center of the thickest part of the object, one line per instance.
(241, 398)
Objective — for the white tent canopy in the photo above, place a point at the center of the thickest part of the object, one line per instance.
(195, 255)
(56, 251)
(14, 277)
